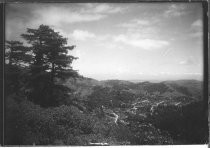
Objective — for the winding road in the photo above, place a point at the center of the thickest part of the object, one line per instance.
(153, 106)
(111, 115)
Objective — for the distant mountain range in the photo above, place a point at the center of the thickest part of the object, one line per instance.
(189, 88)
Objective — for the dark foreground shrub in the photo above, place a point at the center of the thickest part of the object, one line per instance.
(186, 124)
(28, 124)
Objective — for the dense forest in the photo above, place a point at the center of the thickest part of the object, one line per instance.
(50, 103)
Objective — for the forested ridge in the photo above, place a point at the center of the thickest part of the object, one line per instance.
(50, 103)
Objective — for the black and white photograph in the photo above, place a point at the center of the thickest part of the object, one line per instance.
(104, 74)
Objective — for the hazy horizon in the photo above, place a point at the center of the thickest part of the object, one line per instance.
(144, 80)
(125, 41)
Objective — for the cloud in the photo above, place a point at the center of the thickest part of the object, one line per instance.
(197, 23)
(165, 73)
(135, 23)
(104, 37)
(32, 15)
(109, 45)
(78, 53)
(58, 16)
(178, 73)
(166, 52)
(141, 27)
(197, 34)
(188, 61)
(102, 8)
(196, 29)
(121, 70)
(140, 73)
(82, 35)
(192, 73)
(175, 10)
(147, 44)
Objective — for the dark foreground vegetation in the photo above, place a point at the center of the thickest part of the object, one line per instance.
(49, 103)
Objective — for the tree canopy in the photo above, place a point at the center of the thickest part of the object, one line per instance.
(48, 60)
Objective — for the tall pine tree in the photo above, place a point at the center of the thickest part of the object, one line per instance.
(17, 61)
(51, 63)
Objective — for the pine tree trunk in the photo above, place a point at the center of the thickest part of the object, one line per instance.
(10, 57)
(52, 72)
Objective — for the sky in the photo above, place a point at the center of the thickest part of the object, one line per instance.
(127, 41)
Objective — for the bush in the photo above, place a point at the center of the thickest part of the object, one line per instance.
(27, 124)
(186, 123)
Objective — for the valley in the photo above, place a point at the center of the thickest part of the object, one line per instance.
(125, 104)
